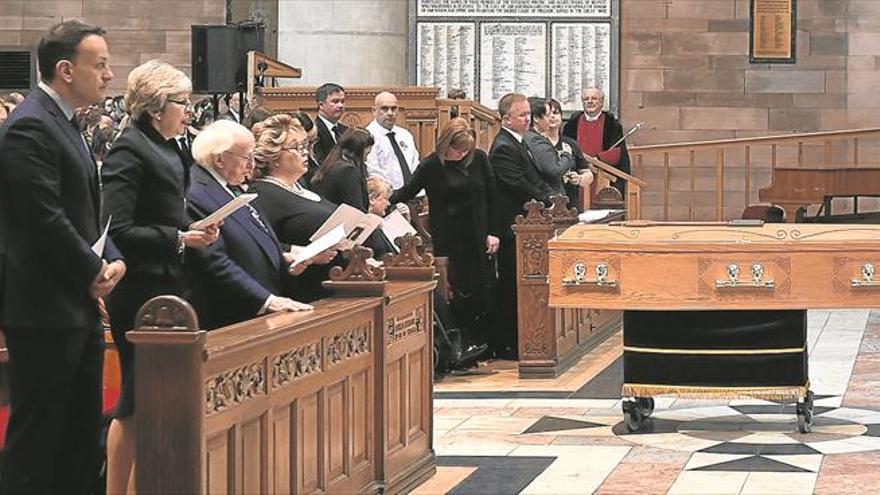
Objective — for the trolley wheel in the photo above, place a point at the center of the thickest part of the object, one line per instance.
(632, 415)
(804, 411)
(645, 405)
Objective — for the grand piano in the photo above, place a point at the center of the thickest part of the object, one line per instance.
(795, 188)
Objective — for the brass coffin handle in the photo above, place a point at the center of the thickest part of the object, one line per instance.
(867, 280)
(756, 282)
(580, 277)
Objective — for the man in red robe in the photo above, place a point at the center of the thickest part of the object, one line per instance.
(596, 131)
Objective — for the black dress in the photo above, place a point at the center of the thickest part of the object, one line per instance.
(145, 183)
(294, 219)
(346, 183)
(462, 214)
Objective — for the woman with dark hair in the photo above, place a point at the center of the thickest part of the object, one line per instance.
(558, 158)
(312, 133)
(342, 177)
(458, 181)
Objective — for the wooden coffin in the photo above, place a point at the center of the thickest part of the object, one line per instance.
(695, 267)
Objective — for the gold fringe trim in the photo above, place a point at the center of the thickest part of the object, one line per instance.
(696, 392)
(714, 352)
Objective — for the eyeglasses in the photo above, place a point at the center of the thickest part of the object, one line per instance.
(249, 157)
(301, 147)
(184, 103)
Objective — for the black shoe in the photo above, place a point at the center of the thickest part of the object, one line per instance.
(471, 355)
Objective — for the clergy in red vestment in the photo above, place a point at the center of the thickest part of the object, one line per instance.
(596, 131)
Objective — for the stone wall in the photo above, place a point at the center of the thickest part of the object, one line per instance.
(351, 42)
(137, 30)
(685, 70)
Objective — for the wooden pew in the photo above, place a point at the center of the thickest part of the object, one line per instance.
(337, 400)
(550, 340)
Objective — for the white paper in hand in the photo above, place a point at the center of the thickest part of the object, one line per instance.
(320, 245)
(224, 211)
(394, 225)
(358, 225)
(98, 246)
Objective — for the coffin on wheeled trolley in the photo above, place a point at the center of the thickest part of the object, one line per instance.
(715, 310)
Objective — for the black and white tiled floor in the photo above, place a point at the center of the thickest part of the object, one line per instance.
(515, 440)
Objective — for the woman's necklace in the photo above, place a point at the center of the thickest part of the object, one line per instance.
(295, 189)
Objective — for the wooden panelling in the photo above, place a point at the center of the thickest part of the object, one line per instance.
(337, 432)
(310, 447)
(396, 405)
(362, 419)
(550, 340)
(422, 113)
(219, 479)
(298, 402)
(282, 442)
(252, 456)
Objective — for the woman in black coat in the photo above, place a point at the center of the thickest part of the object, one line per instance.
(145, 182)
(461, 195)
(342, 177)
(294, 212)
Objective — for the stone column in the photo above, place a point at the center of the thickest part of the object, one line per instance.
(350, 42)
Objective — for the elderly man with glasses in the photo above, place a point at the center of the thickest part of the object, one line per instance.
(241, 275)
(596, 130)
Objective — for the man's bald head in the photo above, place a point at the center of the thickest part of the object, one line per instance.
(385, 109)
(593, 100)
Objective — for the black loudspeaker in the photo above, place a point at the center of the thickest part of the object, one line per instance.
(219, 56)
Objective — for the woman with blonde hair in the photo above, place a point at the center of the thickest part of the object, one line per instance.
(295, 213)
(458, 181)
(145, 183)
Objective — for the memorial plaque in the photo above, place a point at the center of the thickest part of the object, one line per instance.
(447, 56)
(512, 59)
(772, 33)
(514, 8)
(581, 58)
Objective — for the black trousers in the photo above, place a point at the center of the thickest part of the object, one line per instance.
(52, 441)
(504, 324)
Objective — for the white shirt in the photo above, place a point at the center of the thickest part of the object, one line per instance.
(330, 126)
(515, 134)
(383, 162)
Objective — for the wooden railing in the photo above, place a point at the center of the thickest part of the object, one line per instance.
(716, 180)
(485, 122)
(337, 400)
(550, 340)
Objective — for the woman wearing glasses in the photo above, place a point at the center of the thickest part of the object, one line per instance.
(281, 153)
(145, 183)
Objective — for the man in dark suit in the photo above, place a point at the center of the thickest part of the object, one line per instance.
(518, 181)
(331, 105)
(240, 276)
(50, 213)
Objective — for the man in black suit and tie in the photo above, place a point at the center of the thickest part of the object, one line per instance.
(239, 277)
(52, 277)
(518, 181)
(331, 105)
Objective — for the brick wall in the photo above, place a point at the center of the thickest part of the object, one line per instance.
(137, 30)
(685, 70)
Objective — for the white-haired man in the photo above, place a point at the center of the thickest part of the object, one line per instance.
(240, 276)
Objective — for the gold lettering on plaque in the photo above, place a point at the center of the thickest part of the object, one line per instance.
(772, 29)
